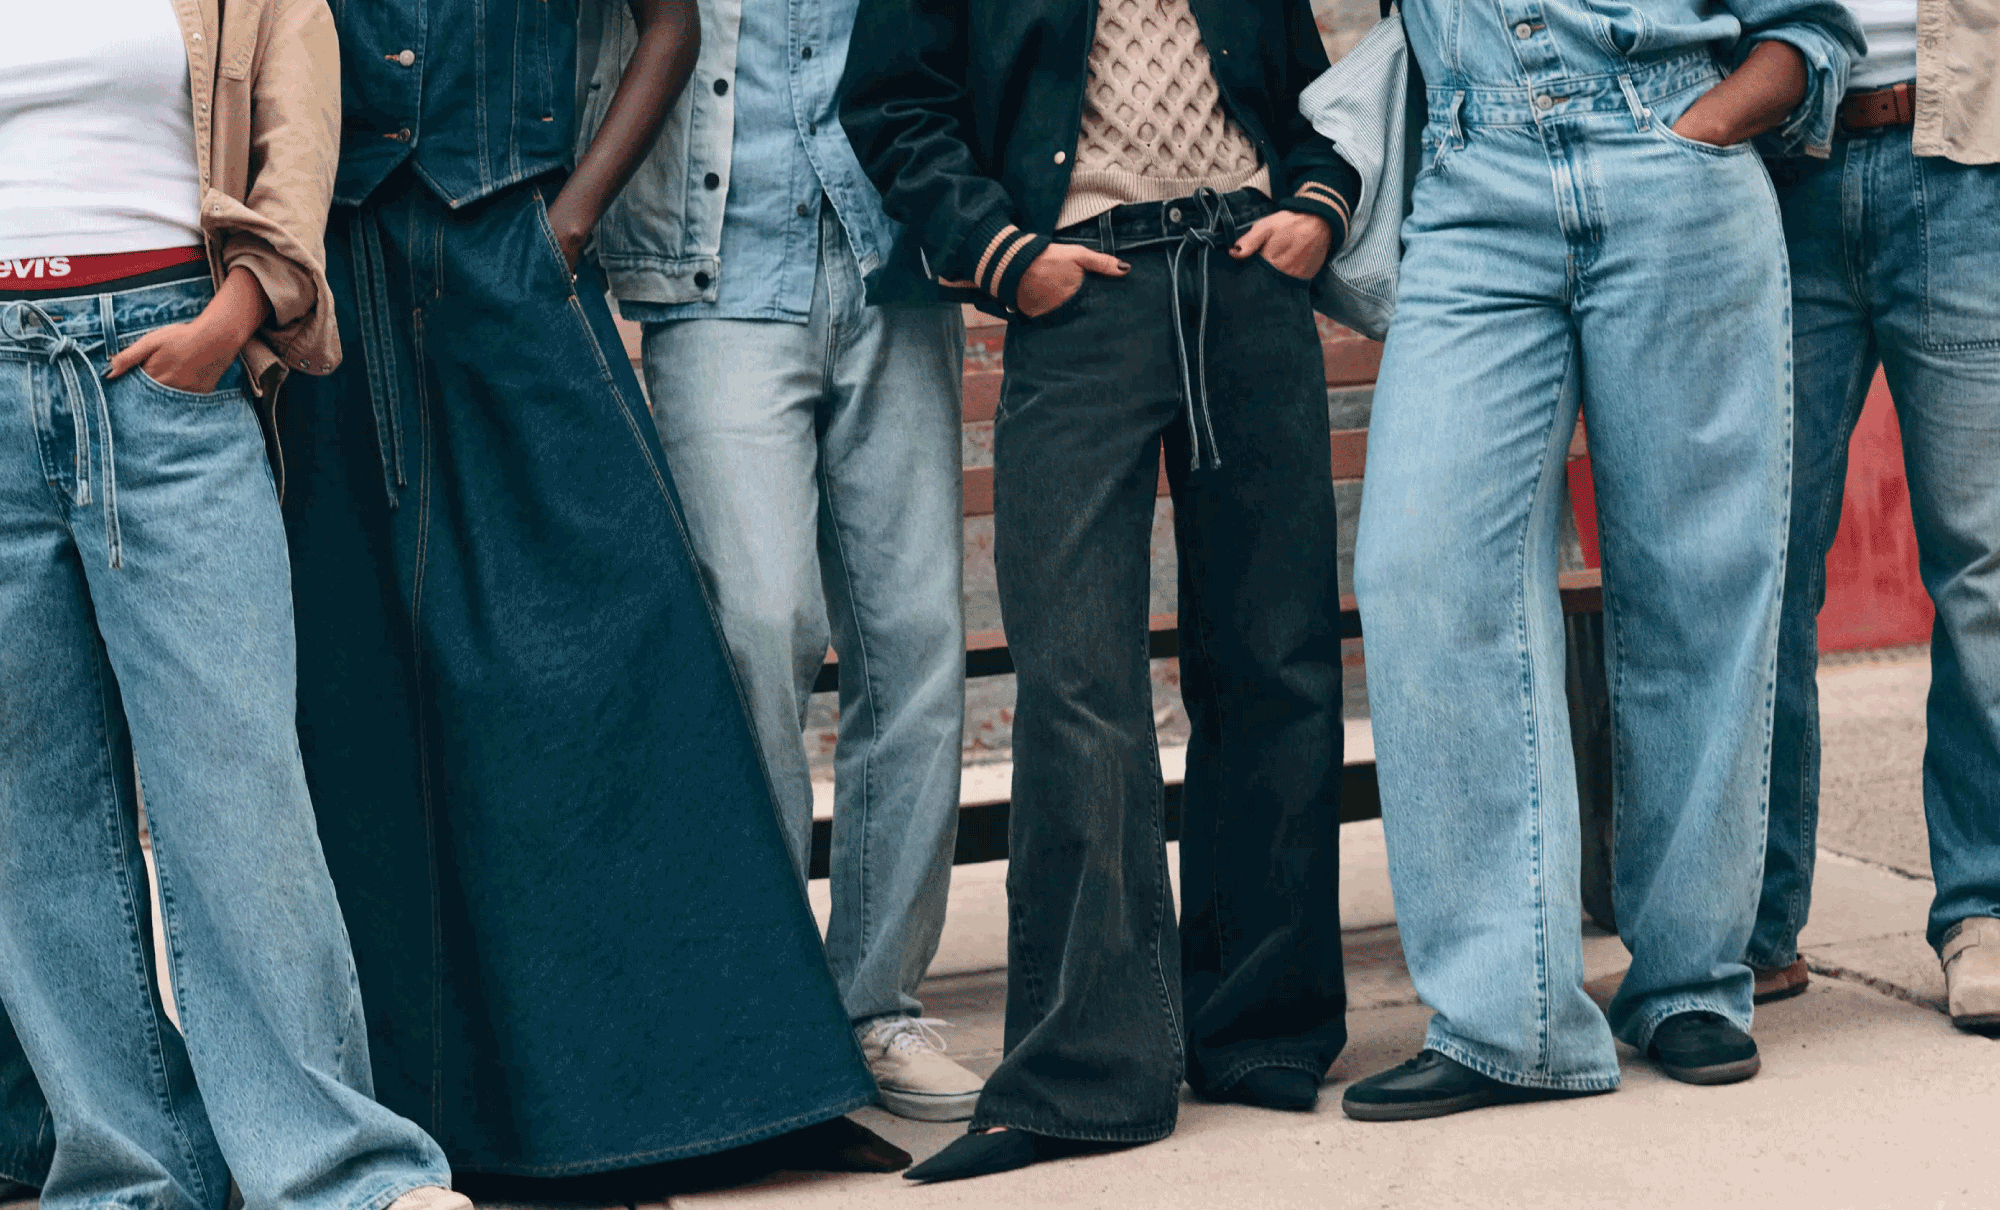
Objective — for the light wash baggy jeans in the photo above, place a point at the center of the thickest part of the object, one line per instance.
(1579, 254)
(145, 601)
(818, 468)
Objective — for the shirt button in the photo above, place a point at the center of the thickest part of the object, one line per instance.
(403, 135)
(406, 58)
(1524, 30)
(701, 281)
(1061, 156)
(712, 181)
(1545, 102)
(721, 88)
(812, 127)
(804, 209)
(806, 53)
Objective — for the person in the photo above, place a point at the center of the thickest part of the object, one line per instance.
(1591, 228)
(1153, 256)
(1894, 264)
(160, 276)
(582, 946)
(815, 443)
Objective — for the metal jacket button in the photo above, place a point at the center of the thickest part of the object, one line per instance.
(406, 58)
(1524, 30)
(1545, 102)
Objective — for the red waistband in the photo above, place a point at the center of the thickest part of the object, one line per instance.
(61, 273)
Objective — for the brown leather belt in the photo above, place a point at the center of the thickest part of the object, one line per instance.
(1892, 106)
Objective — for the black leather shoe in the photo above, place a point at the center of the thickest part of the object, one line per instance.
(1432, 1086)
(1703, 1048)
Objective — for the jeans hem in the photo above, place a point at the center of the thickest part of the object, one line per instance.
(1639, 1030)
(1236, 1071)
(1076, 1134)
(1785, 958)
(1493, 1071)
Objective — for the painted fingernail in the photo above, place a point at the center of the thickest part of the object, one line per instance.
(1123, 267)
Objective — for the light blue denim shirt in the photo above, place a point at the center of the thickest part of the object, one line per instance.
(759, 130)
(1536, 45)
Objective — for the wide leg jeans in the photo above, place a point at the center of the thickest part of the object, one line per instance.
(1573, 255)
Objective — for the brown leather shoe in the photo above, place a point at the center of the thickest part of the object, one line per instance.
(1780, 982)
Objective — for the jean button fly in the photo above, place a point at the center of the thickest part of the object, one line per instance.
(1174, 215)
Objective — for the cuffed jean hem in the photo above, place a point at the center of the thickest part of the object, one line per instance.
(1638, 1032)
(1773, 960)
(1459, 1053)
(1077, 1134)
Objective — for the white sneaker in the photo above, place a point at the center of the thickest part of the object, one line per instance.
(906, 1056)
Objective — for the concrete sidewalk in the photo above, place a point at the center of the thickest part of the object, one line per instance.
(1868, 1096)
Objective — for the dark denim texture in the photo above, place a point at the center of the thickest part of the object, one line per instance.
(581, 942)
(1104, 1010)
(487, 99)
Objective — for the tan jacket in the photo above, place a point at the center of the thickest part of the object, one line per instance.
(1958, 80)
(265, 75)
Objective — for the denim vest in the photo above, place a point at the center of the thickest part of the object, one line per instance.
(1534, 46)
(476, 94)
(722, 218)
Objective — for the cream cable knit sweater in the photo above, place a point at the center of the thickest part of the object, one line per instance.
(1154, 127)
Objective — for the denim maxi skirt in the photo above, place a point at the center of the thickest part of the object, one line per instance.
(581, 944)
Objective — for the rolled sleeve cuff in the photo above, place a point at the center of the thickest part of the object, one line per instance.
(289, 287)
(1808, 129)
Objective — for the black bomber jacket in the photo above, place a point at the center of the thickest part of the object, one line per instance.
(966, 114)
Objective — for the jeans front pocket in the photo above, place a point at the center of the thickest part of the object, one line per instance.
(1707, 151)
(228, 388)
(1958, 209)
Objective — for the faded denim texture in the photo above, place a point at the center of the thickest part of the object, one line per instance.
(181, 654)
(1896, 262)
(818, 465)
(580, 936)
(1568, 250)
(1105, 1009)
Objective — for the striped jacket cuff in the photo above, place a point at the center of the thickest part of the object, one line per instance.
(1004, 256)
(1328, 193)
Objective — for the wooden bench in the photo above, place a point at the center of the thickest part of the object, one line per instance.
(982, 831)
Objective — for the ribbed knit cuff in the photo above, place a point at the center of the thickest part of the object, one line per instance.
(1007, 277)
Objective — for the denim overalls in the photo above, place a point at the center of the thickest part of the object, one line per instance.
(1568, 250)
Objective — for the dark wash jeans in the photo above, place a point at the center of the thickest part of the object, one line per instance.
(1096, 1035)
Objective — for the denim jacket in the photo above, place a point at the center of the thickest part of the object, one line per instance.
(1513, 45)
(663, 242)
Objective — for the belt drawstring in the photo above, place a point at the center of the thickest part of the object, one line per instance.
(1194, 378)
(378, 348)
(72, 358)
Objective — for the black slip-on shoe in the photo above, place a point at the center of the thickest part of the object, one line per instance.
(1703, 1048)
(985, 1153)
(1432, 1086)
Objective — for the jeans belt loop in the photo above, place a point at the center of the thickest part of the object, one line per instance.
(1457, 128)
(1640, 114)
